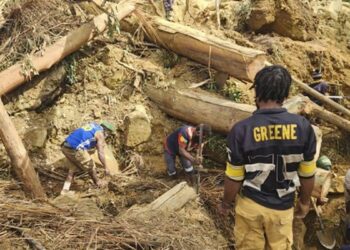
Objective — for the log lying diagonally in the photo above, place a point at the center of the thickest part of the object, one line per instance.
(13, 76)
(202, 107)
(225, 56)
(19, 157)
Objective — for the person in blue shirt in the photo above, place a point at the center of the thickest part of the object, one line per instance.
(180, 143)
(80, 145)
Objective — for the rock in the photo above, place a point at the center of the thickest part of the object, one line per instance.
(288, 18)
(36, 137)
(138, 127)
(82, 208)
(262, 13)
(337, 185)
(111, 161)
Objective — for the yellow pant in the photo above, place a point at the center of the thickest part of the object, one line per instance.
(258, 227)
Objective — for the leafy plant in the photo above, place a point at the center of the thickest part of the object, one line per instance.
(231, 91)
(70, 65)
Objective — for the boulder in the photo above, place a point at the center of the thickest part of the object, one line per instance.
(138, 127)
(293, 19)
(111, 161)
(262, 13)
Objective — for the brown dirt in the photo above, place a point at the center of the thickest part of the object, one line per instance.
(93, 85)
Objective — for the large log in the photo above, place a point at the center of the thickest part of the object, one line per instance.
(240, 62)
(324, 99)
(13, 76)
(320, 112)
(198, 106)
(19, 156)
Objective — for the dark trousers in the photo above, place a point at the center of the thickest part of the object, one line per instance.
(170, 163)
(168, 5)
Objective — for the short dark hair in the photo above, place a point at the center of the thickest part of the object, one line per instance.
(206, 129)
(272, 83)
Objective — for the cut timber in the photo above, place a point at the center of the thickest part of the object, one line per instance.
(13, 76)
(317, 111)
(222, 114)
(19, 156)
(201, 107)
(174, 199)
(310, 91)
(240, 62)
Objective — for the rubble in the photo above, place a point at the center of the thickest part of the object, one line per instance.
(110, 77)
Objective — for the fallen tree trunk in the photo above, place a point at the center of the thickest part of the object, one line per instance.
(13, 76)
(319, 112)
(19, 156)
(202, 107)
(310, 91)
(240, 62)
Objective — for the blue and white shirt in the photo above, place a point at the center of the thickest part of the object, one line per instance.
(84, 138)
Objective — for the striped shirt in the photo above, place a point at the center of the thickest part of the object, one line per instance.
(269, 152)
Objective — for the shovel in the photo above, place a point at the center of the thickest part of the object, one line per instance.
(327, 240)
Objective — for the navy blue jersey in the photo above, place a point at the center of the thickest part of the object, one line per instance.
(269, 151)
(182, 137)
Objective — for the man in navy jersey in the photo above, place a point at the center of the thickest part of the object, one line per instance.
(80, 145)
(180, 143)
(270, 154)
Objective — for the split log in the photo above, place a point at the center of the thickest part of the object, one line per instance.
(222, 55)
(19, 156)
(13, 76)
(202, 107)
(174, 199)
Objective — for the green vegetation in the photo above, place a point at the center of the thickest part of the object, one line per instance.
(70, 65)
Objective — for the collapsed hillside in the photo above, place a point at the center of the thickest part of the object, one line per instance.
(104, 81)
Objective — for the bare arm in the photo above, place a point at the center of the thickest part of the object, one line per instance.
(100, 148)
(187, 155)
(307, 184)
(231, 189)
(303, 205)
